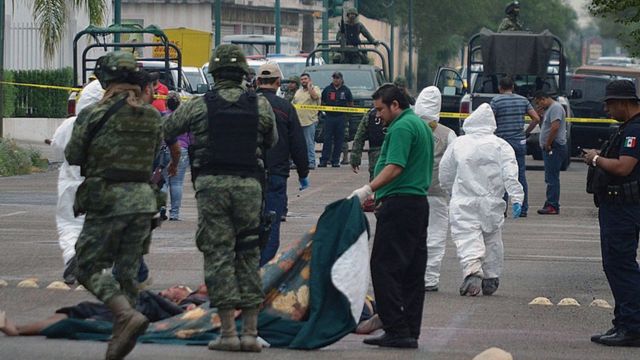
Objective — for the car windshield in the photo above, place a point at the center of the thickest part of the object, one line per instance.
(194, 78)
(353, 79)
(291, 69)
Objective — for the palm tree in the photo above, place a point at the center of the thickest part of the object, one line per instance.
(51, 17)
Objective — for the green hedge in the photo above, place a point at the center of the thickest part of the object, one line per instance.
(36, 102)
(8, 95)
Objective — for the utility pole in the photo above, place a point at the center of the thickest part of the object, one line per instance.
(410, 72)
(117, 18)
(218, 20)
(325, 20)
(392, 20)
(278, 29)
(1, 66)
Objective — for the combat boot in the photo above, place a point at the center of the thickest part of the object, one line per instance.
(249, 339)
(128, 325)
(228, 339)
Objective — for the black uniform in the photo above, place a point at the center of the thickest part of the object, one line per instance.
(291, 144)
(619, 200)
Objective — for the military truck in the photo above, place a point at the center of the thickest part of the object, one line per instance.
(168, 64)
(534, 61)
(361, 79)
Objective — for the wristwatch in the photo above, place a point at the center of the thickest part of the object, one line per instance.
(594, 161)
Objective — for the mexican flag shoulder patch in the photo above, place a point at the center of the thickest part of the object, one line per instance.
(630, 142)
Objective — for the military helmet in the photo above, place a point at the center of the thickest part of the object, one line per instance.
(352, 11)
(511, 7)
(115, 67)
(400, 81)
(228, 57)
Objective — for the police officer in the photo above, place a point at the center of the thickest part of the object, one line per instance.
(291, 145)
(114, 142)
(349, 35)
(614, 178)
(512, 21)
(232, 129)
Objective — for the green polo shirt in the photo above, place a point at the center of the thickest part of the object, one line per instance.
(409, 144)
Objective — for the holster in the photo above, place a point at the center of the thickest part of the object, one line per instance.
(624, 194)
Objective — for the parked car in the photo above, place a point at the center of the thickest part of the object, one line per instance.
(195, 77)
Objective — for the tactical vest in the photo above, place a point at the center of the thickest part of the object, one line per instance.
(125, 148)
(375, 130)
(352, 33)
(610, 188)
(233, 138)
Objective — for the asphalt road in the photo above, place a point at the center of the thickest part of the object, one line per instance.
(551, 256)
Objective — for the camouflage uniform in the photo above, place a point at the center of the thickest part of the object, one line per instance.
(289, 94)
(227, 205)
(119, 212)
(361, 136)
(511, 22)
(349, 35)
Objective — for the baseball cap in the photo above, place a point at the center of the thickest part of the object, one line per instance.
(620, 90)
(269, 70)
(337, 74)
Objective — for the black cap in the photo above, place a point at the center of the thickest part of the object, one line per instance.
(620, 90)
(337, 74)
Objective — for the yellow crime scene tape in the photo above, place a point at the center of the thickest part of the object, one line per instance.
(354, 110)
(343, 109)
(71, 89)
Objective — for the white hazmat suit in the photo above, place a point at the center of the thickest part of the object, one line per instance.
(428, 107)
(69, 227)
(477, 169)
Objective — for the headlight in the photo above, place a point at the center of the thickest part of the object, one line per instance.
(367, 103)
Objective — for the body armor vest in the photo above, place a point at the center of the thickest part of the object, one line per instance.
(233, 137)
(352, 33)
(375, 130)
(125, 149)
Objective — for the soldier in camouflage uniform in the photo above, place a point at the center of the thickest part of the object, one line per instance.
(349, 36)
(115, 156)
(511, 22)
(232, 129)
(292, 87)
(370, 129)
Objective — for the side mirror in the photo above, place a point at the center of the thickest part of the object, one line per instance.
(575, 94)
(202, 88)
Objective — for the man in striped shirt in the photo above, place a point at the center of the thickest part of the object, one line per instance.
(509, 110)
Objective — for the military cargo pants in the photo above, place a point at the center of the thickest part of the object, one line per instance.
(227, 208)
(116, 241)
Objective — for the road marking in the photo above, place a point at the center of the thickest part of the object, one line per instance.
(554, 258)
(13, 214)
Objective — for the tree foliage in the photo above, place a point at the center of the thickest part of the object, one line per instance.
(619, 19)
(52, 16)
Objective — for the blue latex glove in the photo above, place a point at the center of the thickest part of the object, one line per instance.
(516, 209)
(304, 183)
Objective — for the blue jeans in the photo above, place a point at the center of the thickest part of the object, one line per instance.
(619, 226)
(310, 138)
(333, 139)
(521, 152)
(176, 184)
(552, 164)
(276, 201)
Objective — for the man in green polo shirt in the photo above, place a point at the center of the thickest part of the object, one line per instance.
(399, 255)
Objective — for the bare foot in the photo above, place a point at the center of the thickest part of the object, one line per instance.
(6, 326)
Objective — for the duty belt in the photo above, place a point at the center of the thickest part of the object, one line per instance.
(627, 193)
